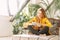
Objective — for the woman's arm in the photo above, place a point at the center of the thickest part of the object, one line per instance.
(25, 25)
(32, 20)
(47, 23)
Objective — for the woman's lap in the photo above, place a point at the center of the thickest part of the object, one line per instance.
(37, 32)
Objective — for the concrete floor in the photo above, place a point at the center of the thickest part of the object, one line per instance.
(5, 38)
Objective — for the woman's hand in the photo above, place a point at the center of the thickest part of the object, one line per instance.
(25, 25)
(36, 24)
(44, 25)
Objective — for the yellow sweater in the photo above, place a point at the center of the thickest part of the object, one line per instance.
(41, 21)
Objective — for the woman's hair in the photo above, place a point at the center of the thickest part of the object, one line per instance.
(43, 11)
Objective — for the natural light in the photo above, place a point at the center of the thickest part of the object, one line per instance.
(10, 6)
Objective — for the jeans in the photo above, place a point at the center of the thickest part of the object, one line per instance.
(37, 32)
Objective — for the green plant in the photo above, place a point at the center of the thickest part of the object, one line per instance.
(23, 17)
(16, 29)
(32, 8)
(58, 17)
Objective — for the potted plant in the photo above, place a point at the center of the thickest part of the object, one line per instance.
(15, 29)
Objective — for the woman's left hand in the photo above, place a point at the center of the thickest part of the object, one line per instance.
(44, 25)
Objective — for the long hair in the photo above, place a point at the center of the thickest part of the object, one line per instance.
(43, 11)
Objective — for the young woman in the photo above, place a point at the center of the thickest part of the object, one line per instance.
(42, 20)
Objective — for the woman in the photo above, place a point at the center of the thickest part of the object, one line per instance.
(42, 20)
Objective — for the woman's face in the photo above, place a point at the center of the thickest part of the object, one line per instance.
(40, 14)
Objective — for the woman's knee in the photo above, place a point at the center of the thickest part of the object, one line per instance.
(46, 27)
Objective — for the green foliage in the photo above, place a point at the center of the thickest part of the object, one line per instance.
(16, 29)
(58, 17)
(32, 8)
(51, 8)
(23, 17)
